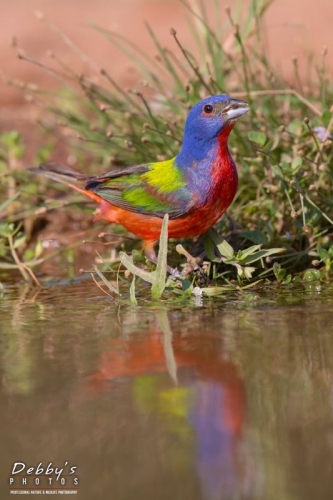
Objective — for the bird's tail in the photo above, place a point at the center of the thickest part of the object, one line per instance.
(66, 175)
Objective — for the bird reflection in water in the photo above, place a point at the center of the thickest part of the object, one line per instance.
(205, 403)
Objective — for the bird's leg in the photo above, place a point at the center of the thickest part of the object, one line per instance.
(152, 257)
(192, 263)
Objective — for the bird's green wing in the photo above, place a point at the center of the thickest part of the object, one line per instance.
(152, 189)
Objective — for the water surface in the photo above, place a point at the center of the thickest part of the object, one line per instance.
(225, 398)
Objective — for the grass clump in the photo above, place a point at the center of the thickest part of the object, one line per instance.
(282, 217)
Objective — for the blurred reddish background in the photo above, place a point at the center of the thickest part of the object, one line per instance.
(293, 28)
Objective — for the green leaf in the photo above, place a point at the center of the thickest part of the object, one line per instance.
(323, 253)
(222, 245)
(242, 254)
(226, 250)
(326, 117)
(38, 249)
(19, 240)
(217, 290)
(258, 137)
(209, 246)
(134, 302)
(10, 139)
(105, 281)
(295, 126)
(261, 254)
(296, 164)
(127, 261)
(278, 271)
(255, 236)
(5, 204)
(13, 142)
(246, 271)
(6, 230)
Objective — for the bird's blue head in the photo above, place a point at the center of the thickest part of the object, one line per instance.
(205, 123)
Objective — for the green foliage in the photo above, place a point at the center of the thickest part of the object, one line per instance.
(15, 210)
(241, 259)
(11, 145)
(12, 241)
(282, 216)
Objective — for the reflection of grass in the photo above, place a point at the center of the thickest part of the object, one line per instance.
(284, 202)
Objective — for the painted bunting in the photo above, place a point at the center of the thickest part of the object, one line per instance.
(195, 187)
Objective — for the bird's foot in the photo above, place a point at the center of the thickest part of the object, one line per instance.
(192, 266)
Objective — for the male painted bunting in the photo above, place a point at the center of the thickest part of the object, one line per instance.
(195, 187)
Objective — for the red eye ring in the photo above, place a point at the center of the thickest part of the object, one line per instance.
(208, 109)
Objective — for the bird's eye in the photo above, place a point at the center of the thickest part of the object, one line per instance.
(208, 109)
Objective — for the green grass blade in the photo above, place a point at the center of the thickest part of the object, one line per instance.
(161, 267)
(6, 203)
(105, 281)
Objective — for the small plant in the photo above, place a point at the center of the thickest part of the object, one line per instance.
(12, 235)
(12, 240)
(242, 259)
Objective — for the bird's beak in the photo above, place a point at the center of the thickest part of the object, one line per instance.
(235, 108)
